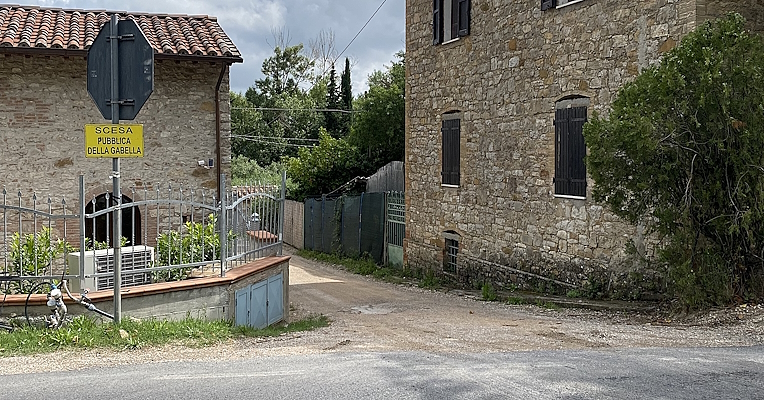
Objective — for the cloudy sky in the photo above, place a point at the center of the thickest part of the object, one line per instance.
(250, 24)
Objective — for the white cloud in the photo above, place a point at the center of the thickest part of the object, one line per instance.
(249, 24)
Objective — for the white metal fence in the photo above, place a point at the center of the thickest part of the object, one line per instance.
(169, 233)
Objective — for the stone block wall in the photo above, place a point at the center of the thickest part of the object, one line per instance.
(505, 78)
(752, 10)
(44, 105)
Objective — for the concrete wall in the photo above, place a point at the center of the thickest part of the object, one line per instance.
(44, 106)
(504, 79)
(294, 217)
(204, 298)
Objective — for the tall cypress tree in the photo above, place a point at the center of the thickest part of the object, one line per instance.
(332, 118)
(346, 98)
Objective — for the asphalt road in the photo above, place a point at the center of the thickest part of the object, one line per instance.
(400, 342)
(657, 373)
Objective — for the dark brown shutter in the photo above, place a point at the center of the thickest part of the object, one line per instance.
(569, 151)
(547, 4)
(437, 21)
(451, 130)
(463, 25)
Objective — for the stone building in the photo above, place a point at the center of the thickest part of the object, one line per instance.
(497, 94)
(44, 103)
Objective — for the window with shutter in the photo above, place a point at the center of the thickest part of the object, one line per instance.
(450, 20)
(570, 150)
(451, 131)
(547, 4)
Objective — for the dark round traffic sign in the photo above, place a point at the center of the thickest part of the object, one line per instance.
(136, 70)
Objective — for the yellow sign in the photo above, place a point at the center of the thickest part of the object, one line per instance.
(113, 141)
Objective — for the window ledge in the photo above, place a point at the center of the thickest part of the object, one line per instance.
(449, 186)
(567, 196)
(570, 3)
(457, 39)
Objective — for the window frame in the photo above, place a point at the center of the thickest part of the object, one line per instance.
(451, 252)
(457, 13)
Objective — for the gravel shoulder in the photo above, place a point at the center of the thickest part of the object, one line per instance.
(368, 315)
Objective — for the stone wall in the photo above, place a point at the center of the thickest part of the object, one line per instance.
(504, 79)
(752, 10)
(44, 106)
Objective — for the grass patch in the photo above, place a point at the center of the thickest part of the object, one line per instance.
(362, 266)
(489, 293)
(547, 304)
(515, 301)
(84, 333)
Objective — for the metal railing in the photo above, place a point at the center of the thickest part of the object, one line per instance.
(190, 231)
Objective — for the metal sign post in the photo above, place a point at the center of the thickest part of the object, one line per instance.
(116, 190)
(120, 80)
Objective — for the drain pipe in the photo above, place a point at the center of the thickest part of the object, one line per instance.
(218, 167)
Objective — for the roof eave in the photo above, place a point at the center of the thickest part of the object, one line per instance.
(44, 51)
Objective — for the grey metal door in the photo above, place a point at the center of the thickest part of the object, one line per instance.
(242, 306)
(258, 305)
(261, 304)
(275, 298)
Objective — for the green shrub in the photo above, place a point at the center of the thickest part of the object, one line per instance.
(489, 293)
(680, 152)
(201, 242)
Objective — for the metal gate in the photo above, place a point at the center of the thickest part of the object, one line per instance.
(396, 228)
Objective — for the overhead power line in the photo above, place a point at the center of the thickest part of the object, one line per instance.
(293, 109)
(359, 32)
(250, 135)
(267, 141)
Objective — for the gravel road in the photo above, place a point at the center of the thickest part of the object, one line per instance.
(368, 315)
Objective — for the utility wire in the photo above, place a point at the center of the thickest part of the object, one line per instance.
(250, 135)
(359, 32)
(293, 109)
(259, 140)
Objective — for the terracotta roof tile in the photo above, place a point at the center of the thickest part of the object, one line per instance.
(54, 28)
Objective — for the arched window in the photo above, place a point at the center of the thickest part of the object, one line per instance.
(100, 229)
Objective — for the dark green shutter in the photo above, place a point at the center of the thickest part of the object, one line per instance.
(451, 130)
(463, 26)
(437, 21)
(569, 151)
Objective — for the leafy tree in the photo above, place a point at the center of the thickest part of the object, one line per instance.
(682, 152)
(284, 72)
(276, 115)
(379, 121)
(326, 167)
(247, 172)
